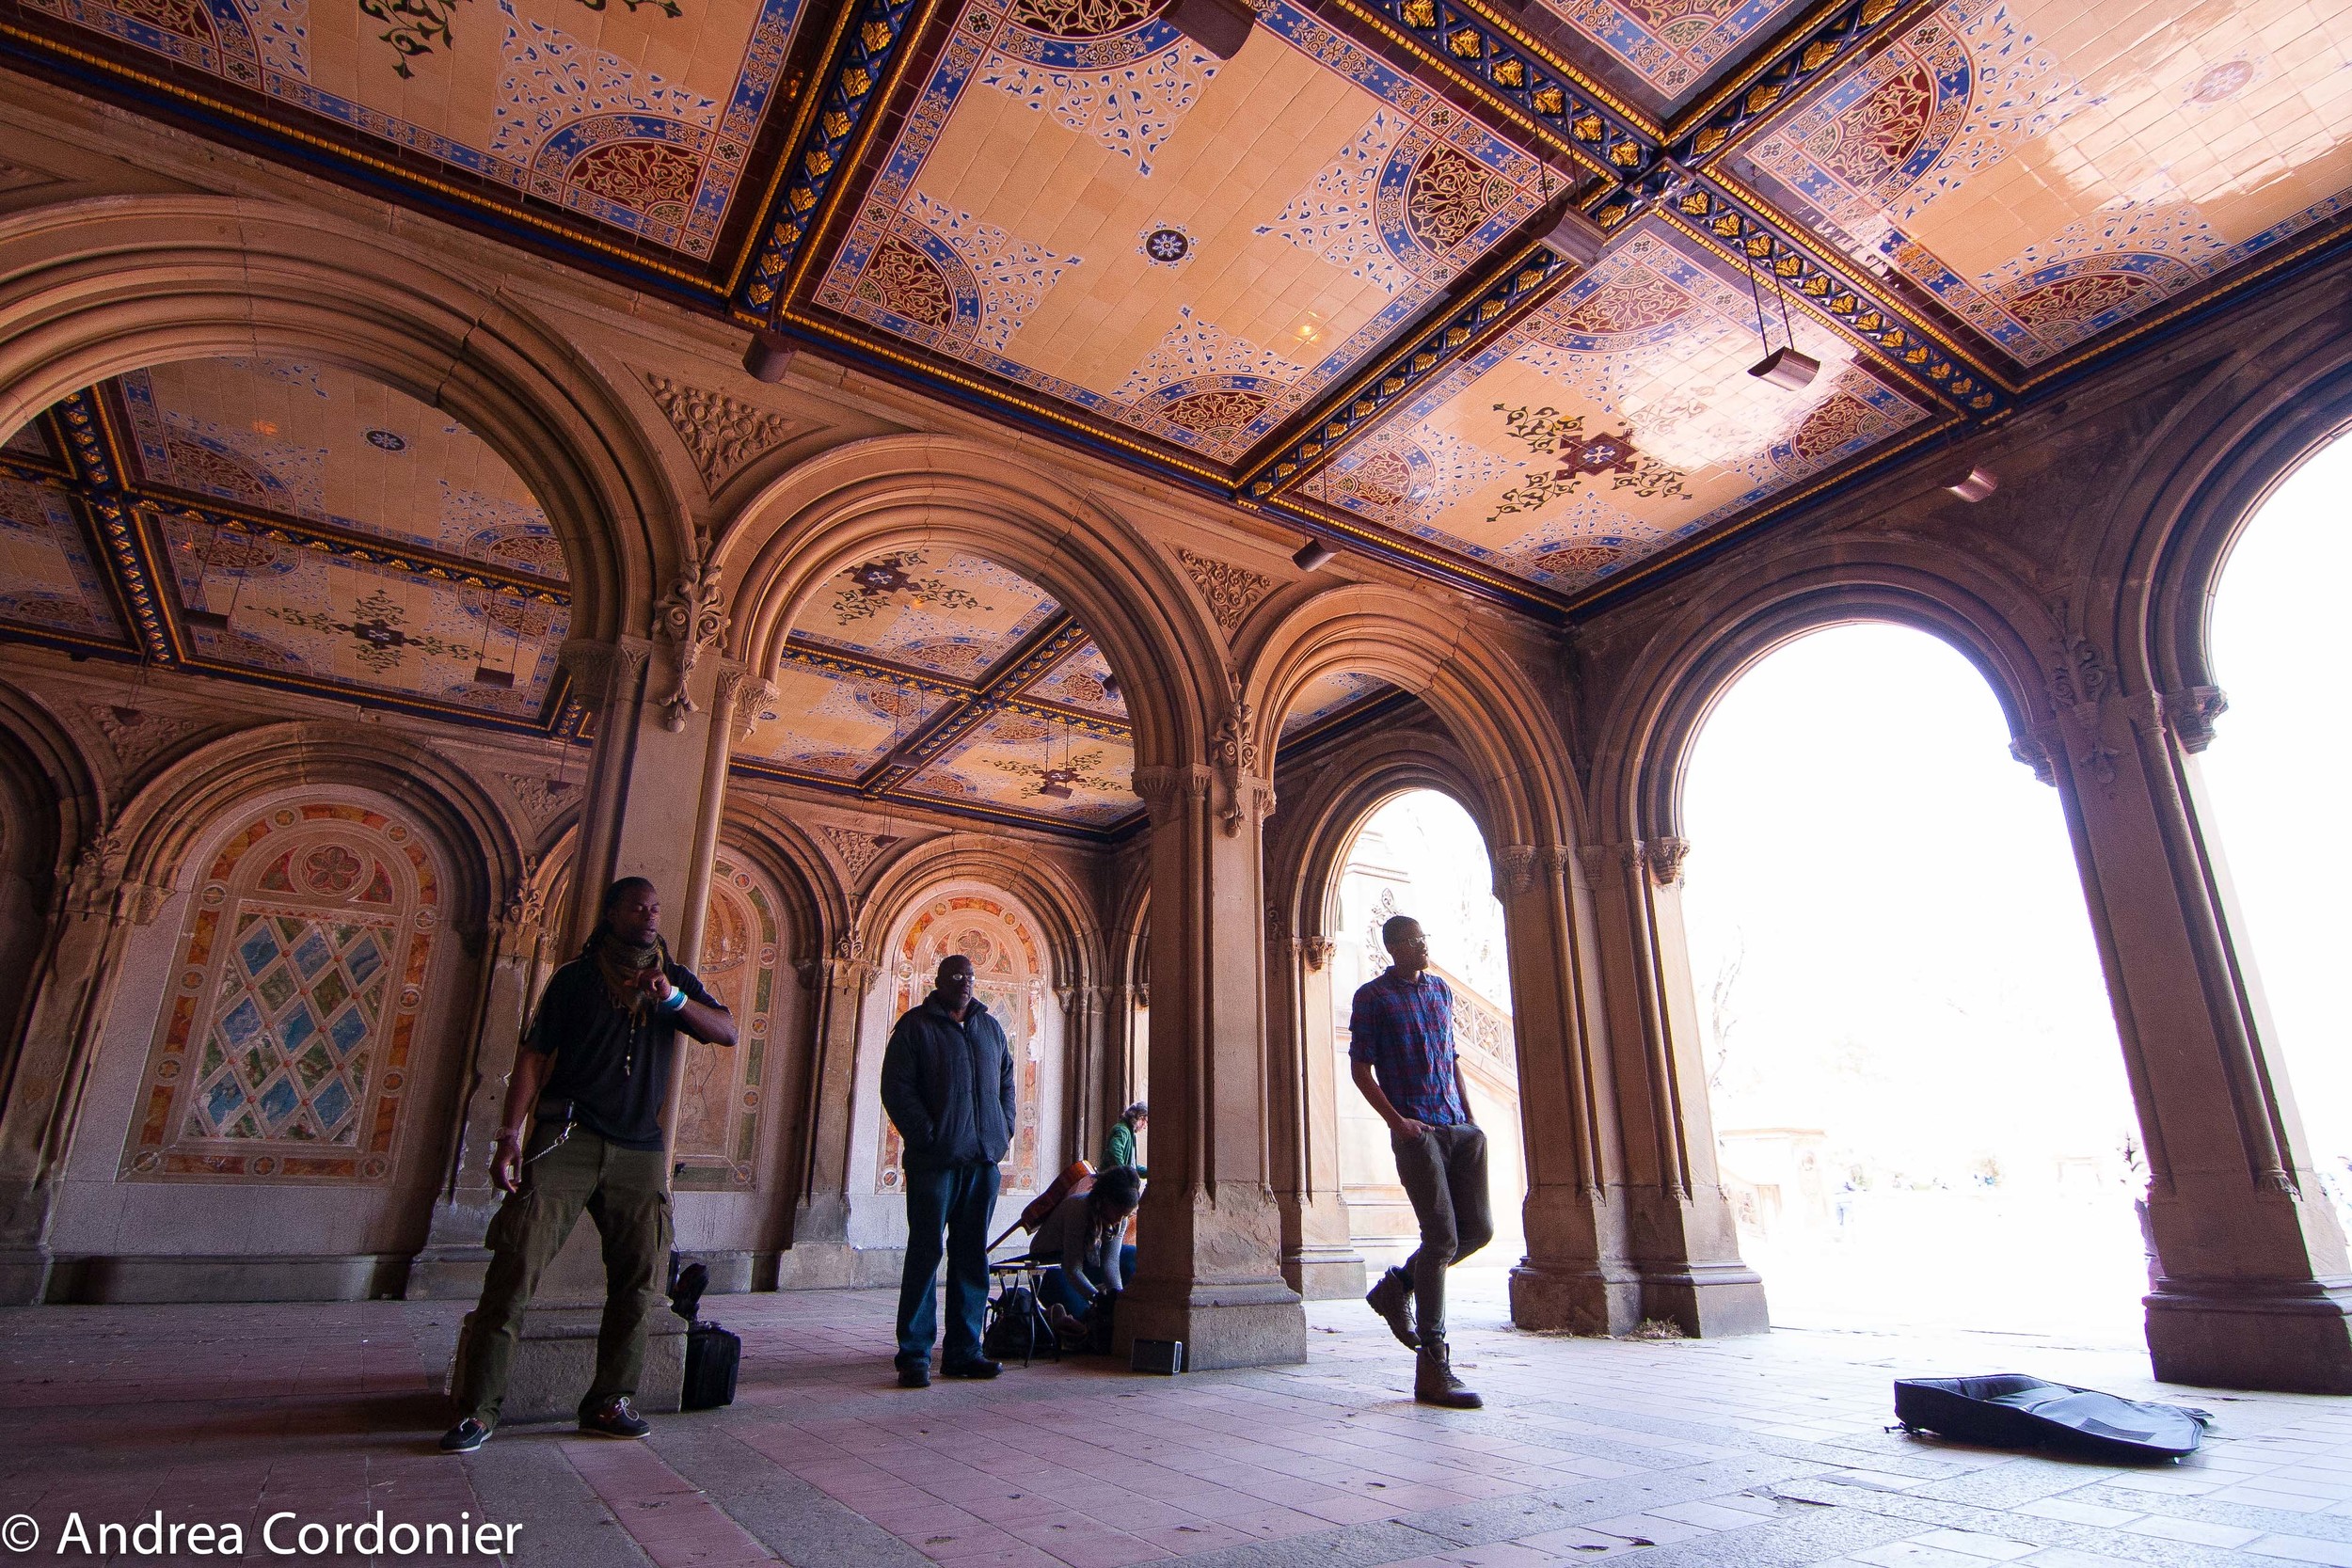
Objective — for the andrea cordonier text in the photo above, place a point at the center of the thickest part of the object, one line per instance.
(286, 1534)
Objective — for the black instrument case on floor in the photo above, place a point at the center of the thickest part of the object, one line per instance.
(2009, 1410)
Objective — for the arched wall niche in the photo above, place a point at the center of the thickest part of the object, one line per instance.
(1509, 741)
(1020, 928)
(868, 497)
(51, 803)
(93, 289)
(277, 1080)
(1648, 736)
(1349, 786)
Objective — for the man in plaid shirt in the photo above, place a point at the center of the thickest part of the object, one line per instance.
(1401, 1050)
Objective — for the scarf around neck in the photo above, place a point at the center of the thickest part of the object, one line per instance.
(623, 967)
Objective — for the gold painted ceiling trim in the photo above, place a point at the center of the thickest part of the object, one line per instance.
(1486, 94)
(812, 102)
(1544, 53)
(915, 41)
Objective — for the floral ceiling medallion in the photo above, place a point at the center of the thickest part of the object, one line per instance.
(876, 582)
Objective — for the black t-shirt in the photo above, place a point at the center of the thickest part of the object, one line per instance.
(616, 1093)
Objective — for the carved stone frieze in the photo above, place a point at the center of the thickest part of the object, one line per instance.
(725, 436)
(542, 799)
(1665, 859)
(1232, 592)
(136, 735)
(2192, 712)
(856, 849)
(689, 616)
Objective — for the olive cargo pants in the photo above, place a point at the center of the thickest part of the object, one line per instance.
(624, 1192)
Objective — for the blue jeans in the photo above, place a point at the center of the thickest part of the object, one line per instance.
(960, 1200)
(1054, 1287)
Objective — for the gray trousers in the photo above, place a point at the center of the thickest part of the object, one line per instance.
(1444, 1172)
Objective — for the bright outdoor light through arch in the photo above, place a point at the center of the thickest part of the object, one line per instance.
(1914, 1074)
(2274, 780)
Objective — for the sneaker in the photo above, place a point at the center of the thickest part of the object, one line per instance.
(466, 1436)
(1392, 1298)
(616, 1417)
(914, 1377)
(978, 1367)
(1434, 1382)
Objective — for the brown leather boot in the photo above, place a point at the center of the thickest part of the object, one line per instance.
(1434, 1382)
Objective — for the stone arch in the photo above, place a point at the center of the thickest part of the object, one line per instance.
(1646, 738)
(816, 907)
(2175, 529)
(895, 491)
(90, 289)
(1510, 740)
(52, 803)
(1076, 946)
(162, 825)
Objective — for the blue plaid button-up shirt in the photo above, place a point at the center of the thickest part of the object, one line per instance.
(1405, 1029)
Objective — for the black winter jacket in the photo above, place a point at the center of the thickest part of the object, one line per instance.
(949, 1086)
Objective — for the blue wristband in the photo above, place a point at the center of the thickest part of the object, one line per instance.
(675, 1003)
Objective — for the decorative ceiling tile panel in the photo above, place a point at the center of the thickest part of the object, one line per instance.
(308, 616)
(1061, 159)
(320, 444)
(931, 609)
(48, 578)
(1011, 761)
(1079, 682)
(835, 724)
(2047, 170)
(638, 118)
(1672, 45)
(1614, 420)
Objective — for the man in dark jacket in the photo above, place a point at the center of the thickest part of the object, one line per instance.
(946, 1081)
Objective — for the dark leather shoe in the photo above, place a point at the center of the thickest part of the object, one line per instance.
(616, 1417)
(914, 1377)
(1434, 1382)
(978, 1367)
(466, 1436)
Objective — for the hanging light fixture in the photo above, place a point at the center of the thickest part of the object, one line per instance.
(1053, 782)
(483, 674)
(201, 613)
(1785, 366)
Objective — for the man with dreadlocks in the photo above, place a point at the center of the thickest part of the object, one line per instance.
(596, 1068)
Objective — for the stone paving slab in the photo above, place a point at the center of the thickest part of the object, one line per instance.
(1766, 1451)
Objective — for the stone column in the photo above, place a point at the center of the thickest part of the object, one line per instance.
(450, 1268)
(818, 1253)
(2253, 1291)
(1319, 1256)
(1086, 1084)
(1574, 1277)
(1211, 1274)
(73, 979)
(1681, 1240)
(646, 814)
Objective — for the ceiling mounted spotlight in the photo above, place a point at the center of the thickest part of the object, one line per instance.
(1577, 238)
(1219, 27)
(1787, 366)
(1110, 687)
(1311, 554)
(1975, 485)
(767, 356)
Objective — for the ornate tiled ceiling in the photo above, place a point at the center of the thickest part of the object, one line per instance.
(1311, 278)
(287, 523)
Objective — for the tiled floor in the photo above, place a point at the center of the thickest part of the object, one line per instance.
(1766, 1450)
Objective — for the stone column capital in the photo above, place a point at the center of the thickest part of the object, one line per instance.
(1166, 790)
(603, 673)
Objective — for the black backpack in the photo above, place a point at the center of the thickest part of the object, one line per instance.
(1017, 1329)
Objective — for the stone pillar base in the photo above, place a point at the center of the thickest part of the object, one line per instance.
(1564, 1300)
(838, 1266)
(1708, 1300)
(555, 1361)
(2284, 1338)
(1258, 1323)
(448, 1274)
(1326, 1273)
(24, 1275)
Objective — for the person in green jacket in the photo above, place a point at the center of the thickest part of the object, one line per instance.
(1119, 1147)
